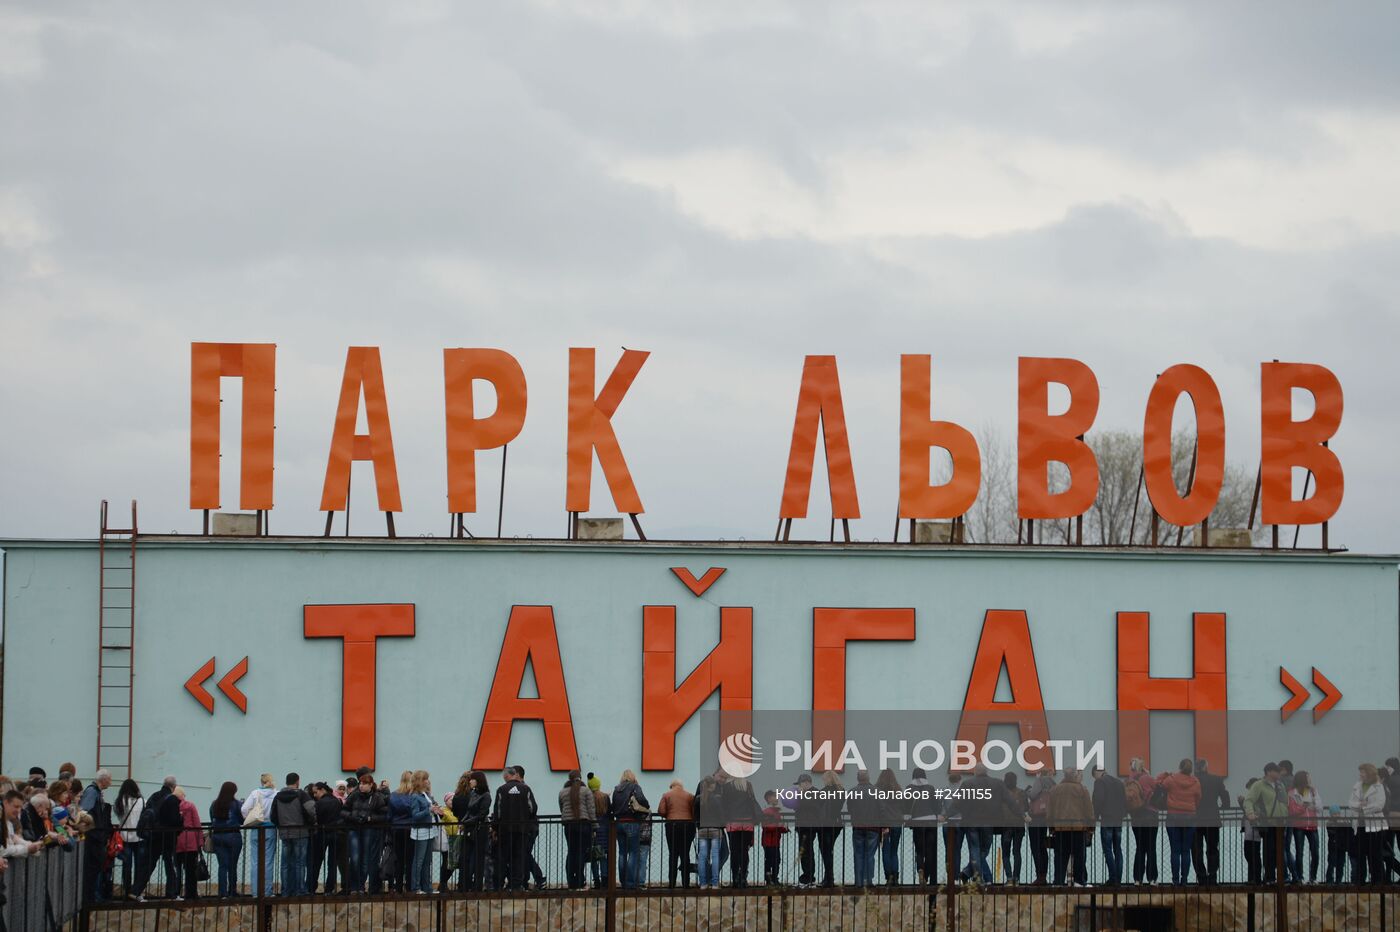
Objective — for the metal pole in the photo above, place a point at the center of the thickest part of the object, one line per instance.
(1280, 900)
(1190, 482)
(610, 900)
(950, 849)
(501, 504)
(1298, 528)
(1137, 494)
(264, 912)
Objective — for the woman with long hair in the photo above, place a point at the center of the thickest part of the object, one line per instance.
(1304, 807)
(226, 827)
(129, 806)
(832, 824)
(709, 816)
(629, 808)
(423, 830)
(577, 814)
(471, 804)
(742, 813)
(893, 810)
(1368, 802)
(400, 813)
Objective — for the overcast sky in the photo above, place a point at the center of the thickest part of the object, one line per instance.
(728, 185)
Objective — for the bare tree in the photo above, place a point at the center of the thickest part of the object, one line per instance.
(1121, 513)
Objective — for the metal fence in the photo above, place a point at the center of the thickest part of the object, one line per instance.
(898, 899)
(43, 891)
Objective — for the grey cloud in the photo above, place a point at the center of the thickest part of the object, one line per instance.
(325, 180)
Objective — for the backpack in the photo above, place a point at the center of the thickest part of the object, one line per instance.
(146, 824)
(1040, 805)
(1159, 796)
(1132, 792)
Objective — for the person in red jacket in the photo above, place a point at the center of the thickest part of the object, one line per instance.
(1137, 787)
(773, 832)
(188, 845)
(1183, 798)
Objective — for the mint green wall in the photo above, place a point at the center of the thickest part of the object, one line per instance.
(198, 597)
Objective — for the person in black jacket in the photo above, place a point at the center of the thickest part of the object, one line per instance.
(327, 845)
(514, 815)
(160, 846)
(1110, 802)
(806, 816)
(983, 806)
(1205, 847)
(364, 813)
(925, 810)
(472, 808)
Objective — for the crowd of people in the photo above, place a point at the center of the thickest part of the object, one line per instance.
(366, 836)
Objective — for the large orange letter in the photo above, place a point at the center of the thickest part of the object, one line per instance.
(530, 638)
(590, 428)
(666, 706)
(819, 404)
(831, 629)
(1210, 445)
(256, 363)
(1288, 443)
(917, 499)
(358, 626)
(1204, 692)
(1043, 438)
(1005, 641)
(466, 433)
(362, 370)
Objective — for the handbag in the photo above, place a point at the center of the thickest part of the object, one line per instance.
(440, 840)
(208, 845)
(388, 863)
(635, 806)
(256, 815)
(115, 845)
(201, 868)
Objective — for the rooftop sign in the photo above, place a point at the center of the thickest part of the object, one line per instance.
(1042, 438)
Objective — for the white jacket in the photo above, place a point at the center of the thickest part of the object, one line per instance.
(128, 822)
(265, 793)
(1369, 805)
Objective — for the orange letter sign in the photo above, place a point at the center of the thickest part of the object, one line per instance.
(358, 626)
(1204, 692)
(465, 432)
(256, 364)
(1043, 438)
(530, 638)
(831, 629)
(1288, 443)
(590, 428)
(666, 706)
(917, 499)
(1210, 445)
(819, 403)
(1005, 641)
(362, 369)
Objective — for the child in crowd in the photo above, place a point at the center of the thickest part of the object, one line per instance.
(773, 831)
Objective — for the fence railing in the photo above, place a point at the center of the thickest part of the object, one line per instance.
(253, 878)
(43, 891)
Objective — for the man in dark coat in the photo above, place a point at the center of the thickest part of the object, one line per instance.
(1205, 847)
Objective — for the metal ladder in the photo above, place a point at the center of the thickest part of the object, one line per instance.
(116, 627)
